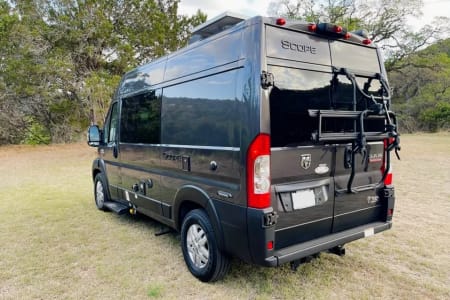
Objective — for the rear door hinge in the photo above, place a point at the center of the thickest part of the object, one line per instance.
(266, 80)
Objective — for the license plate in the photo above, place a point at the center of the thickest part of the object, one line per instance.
(303, 199)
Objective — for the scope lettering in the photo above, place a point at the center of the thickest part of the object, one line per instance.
(298, 47)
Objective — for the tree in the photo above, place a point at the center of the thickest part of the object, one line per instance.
(421, 83)
(64, 58)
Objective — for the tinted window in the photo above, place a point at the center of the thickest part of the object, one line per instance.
(141, 119)
(201, 112)
(355, 57)
(295, 92)
(111, 125)
(342, 95)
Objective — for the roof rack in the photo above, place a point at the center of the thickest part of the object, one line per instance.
(216, 25)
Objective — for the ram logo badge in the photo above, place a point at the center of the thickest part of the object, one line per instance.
(305, 161)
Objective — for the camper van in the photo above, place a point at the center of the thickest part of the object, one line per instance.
(264, 139)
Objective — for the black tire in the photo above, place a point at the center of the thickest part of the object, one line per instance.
(100, 191)
(197, 239)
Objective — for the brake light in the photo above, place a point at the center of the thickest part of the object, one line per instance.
(388, 178)
(281, 21)
(367, 42)
(258, 172)
(347, 36)
(312, 27)
(337, 28)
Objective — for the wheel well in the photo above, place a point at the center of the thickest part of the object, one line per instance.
(185, 208)
(94, 173)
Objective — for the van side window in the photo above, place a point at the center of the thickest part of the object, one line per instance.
(111, 124)
(202, 112)
(141, 119)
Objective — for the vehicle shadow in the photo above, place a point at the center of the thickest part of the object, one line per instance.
(241, 274)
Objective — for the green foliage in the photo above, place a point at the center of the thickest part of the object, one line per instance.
(437, 117)
(60, 61)
(36, 134)
(421, 84)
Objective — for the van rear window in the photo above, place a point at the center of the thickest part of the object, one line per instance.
(354, 57)
(296, 91)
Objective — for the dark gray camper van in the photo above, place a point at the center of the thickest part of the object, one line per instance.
(264, 139)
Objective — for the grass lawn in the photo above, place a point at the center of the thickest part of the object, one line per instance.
(56, 245)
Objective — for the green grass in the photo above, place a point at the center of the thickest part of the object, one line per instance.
(56, 245)
(155, 291)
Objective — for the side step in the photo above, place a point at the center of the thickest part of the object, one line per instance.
(116, 207)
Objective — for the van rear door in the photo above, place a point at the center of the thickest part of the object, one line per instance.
(302, 173)
(304, 199)
(359, 148)
(322, 179)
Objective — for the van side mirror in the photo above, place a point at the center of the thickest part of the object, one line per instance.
(94, 136)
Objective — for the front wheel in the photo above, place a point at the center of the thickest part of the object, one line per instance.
(100, 192)
(198, 243)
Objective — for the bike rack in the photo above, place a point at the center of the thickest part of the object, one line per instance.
(377, 109)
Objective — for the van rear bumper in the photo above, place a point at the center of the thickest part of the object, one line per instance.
(305, 249)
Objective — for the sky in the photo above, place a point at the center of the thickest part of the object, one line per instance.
(252, 8)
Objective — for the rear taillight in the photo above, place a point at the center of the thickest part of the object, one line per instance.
(390, 212)
(258, 172)
(388, 178)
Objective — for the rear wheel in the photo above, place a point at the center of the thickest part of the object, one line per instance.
(100, 192)
(201, 254)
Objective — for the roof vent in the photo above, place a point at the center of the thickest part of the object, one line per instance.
(215, 25)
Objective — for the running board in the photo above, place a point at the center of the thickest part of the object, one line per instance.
(116, 207)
